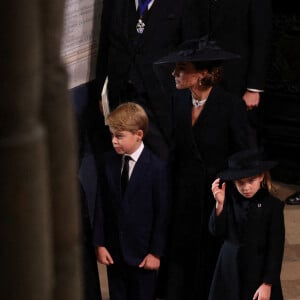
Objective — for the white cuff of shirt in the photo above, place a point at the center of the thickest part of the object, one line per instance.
(255, 90)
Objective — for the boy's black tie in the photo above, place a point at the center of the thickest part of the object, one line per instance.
(125, 173)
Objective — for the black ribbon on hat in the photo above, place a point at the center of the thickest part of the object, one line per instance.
(249, 163)
(203, 43)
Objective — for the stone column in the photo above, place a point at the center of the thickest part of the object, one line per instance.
(25, 231)
(39, 209)
(57, 115)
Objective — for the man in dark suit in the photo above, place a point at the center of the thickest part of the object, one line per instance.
(244, 27)
(131, 216)
(133, 35)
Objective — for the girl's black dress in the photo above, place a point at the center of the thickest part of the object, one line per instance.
(252, 252)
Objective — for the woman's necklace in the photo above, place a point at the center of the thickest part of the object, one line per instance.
(197, 103)
(197, 109)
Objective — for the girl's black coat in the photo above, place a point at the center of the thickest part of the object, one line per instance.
(252, 252)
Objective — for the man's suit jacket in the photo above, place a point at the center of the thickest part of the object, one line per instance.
(243, 27)
(134, 225)
(125, 55)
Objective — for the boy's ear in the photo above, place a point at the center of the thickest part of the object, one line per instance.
(140, 134)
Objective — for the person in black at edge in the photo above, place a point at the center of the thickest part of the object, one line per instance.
(88, 190)
(91, 283)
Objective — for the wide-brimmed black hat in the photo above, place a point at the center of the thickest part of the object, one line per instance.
(244, 164)
(198, 50)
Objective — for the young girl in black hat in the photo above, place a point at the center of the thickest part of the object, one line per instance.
(250, 221)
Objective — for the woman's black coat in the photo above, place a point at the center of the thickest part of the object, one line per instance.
(200, 152)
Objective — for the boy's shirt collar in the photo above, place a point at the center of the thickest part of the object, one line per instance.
(136, 154)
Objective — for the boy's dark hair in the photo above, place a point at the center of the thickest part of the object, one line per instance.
(128, 116)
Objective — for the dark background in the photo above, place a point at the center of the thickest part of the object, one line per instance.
(281, 105)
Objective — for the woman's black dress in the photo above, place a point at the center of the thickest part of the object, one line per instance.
(200, 153)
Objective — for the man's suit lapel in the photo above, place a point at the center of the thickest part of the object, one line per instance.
(122, 17)
(217, 13)
(218, 7)
(151, 23)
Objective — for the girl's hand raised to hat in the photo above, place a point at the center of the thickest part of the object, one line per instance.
(219, 194)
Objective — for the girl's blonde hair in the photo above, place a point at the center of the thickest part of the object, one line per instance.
(128, 116)
(267, 182)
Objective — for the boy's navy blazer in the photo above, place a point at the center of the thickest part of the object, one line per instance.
(134, 225)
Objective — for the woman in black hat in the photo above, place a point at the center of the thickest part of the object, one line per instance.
(210, 124)
(250, 221)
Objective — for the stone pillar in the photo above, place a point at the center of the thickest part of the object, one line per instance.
(39, 208)
(58, 117)
(25, 231)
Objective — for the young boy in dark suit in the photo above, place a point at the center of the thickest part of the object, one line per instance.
(131, 215)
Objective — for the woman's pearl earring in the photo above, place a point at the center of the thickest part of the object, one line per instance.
(200, 82)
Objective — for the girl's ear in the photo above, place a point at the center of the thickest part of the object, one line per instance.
(262, 180)
(262, 176)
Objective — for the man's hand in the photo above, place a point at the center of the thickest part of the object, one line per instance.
(251, 99)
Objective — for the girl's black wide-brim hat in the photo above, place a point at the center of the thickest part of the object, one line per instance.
(202, 49)
(244, 164)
